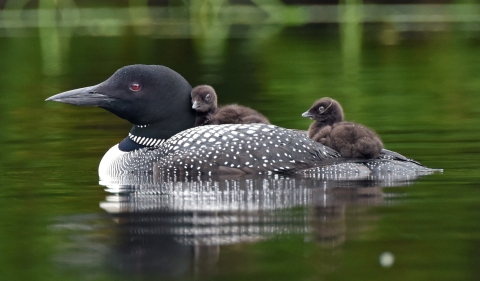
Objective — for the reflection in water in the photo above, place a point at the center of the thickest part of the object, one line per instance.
(176, 227)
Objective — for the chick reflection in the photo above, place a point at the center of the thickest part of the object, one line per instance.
(328, 221)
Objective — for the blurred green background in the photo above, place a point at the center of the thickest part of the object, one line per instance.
(408, 69)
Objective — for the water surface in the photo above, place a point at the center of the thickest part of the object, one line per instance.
(419, 92)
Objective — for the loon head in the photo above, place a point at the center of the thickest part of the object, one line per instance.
(204, 99)
(154, 98)
(325, 110)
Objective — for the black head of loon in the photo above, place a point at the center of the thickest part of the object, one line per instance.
(350, 139)
(154, 98)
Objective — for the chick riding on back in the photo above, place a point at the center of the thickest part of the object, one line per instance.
(204, 101)
(351, 140)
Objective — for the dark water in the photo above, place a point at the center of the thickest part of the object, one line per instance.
(420, 92)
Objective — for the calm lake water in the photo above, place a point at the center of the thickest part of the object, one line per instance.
(419, 89)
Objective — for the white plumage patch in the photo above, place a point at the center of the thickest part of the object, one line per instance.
(104, 169)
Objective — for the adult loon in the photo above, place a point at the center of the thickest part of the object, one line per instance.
(204, 100)
(350, 139)
(157, 101)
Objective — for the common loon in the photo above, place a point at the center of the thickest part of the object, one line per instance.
(350, 139)
(204, 100)
(157, 101)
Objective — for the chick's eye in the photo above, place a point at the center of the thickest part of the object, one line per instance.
(207, 97)
(135, 87)
(321, 109)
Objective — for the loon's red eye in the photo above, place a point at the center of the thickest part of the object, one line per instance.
(135, 87)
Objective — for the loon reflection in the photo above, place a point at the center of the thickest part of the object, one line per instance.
(178, 227)
(228, 211)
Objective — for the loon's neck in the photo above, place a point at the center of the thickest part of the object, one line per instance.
(150, 135)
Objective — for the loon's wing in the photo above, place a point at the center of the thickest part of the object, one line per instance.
(386, 154)
(237, 149)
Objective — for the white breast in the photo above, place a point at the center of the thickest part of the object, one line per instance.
(107, 160)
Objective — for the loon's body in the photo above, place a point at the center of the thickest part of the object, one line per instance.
(204, 101)
(157, 101)
(351, 140)
(226, 149)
